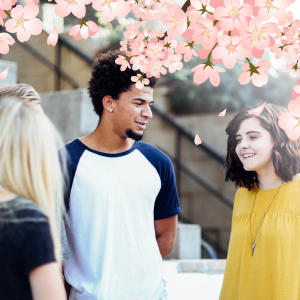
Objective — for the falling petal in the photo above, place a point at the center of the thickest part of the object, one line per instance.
(197, 140)
(53, 37)
(297, 89)
(257, 111)
(223, 113)
(3, 75)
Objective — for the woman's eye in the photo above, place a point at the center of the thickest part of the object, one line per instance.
(238, 141)
(253, 137)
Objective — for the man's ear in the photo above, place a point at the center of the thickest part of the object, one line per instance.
(107, 102)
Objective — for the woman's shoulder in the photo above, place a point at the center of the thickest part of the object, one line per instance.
(21, 210)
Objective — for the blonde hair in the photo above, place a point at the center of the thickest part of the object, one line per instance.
(30, 166)
(23, 91)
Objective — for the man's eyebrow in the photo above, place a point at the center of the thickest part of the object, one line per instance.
(143, 100)
(248, 133)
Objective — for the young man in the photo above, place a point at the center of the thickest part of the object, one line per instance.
(123, 202)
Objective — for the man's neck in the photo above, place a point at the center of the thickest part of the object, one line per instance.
(104, 140)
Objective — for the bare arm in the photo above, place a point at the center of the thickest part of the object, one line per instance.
(165, 231)
(46, 283)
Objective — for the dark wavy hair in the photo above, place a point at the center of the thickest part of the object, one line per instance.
(286, 153)
(108, 79)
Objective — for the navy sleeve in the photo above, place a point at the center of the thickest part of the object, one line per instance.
(167, 201)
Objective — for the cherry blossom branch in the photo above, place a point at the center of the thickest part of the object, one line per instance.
(8, 14)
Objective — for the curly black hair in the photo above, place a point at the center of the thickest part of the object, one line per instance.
(286, 152)
(108, 79)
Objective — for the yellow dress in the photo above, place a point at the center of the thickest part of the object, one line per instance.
(273, 272)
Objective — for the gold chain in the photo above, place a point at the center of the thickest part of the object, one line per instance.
(253, 242)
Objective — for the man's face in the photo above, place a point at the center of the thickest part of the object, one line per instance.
(132, 111)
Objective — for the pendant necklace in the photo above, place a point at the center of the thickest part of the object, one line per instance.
(253, 241)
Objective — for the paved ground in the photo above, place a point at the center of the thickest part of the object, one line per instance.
(193, 286)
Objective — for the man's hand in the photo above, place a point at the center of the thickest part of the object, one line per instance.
(165, 231)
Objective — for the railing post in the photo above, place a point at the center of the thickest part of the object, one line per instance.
(178, 161)
(57, 63)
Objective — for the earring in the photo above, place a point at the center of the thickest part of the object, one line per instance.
(110, 110)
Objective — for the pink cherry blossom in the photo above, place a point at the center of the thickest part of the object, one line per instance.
(229, 49)
(293, 51)
(155, 51)
(76, 7)
(233, 14)
(290, 121)
(176, 21)
(131, 32)
(278, 51)
(155, 69)
(188, 34)
(121, 60)
(154, 15)
(112, 8)
(23, 22)
(138, 46)
(53, 37)
(125, 45)
(150, 3)
(294, 69)
(205, 32)
(5, 4)
(163, 5)
(156, 34)
(173, 62)
(197, 4)
(203, 72)
(139, 63)
(84, 30)
(5, 40)
(258, 79)
(140, 12)
(140, 81)
(258, 35)
(271, 8)
(186, 49)
(169, 44)
(286, 20)
(140, 23)
(292, 34)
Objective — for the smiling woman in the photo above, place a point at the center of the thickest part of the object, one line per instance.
(264, 163)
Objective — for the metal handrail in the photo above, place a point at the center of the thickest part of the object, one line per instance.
(48, 63)
(200, 181)
(189, 136)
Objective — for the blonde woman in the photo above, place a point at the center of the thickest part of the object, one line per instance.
(31, 186)
(23, 91)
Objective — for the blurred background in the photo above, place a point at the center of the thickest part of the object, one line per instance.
(182, 109)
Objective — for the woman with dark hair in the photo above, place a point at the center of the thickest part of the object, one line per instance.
(263, 258)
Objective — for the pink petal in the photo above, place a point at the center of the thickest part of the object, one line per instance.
(34, 26)
(197, 140)
(139, 85)
(257, 111)
(3, 75)
(223, 113)
(294, 134)
(264, 65)
(30, 11)
(84, 32)
(244, 78)
(17, 11)
(286, 121)
(120, 8)
(297, 89)
(260, 80)
(74, 30)
(294, 108)
(78, 10)
(53, 37)
(214, 78)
